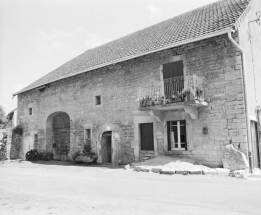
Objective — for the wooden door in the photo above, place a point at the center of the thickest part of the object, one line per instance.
(64, 140)
(146, 137)
(106, 147)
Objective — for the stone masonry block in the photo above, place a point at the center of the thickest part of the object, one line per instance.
(156, 170)
(137, 168)
(210, 172)
(167, 171)
(222, 171)
(196, 172)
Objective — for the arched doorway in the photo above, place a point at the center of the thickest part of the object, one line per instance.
(58, 135)
(109, 147)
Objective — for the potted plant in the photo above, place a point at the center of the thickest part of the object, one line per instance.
(85, 154)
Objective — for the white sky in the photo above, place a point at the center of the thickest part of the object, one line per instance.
(37, 36)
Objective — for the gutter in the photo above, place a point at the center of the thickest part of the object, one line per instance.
(218, 33)
(245, 96)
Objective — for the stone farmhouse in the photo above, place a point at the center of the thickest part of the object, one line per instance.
(185, 87)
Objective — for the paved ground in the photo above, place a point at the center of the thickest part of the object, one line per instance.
(56, 188)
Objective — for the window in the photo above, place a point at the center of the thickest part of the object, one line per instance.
(30, 111)
(97, 100)
(146, 136)
(87, 134)
(36, 139)
(173, 76)
(177, 138)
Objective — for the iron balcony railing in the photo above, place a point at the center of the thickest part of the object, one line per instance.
(177, 89)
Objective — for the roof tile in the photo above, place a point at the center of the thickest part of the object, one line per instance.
(220, 15)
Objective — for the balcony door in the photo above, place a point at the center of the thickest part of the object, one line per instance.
(177, 135)
(173, 76)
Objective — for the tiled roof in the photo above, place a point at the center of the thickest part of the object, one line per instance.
(207, 20)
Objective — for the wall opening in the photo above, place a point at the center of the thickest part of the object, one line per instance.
(58, 135)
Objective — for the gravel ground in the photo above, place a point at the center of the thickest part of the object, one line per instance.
(60, 188)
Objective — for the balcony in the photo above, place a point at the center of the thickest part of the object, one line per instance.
(184, 92)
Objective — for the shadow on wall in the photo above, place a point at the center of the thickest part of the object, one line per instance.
(27, 144)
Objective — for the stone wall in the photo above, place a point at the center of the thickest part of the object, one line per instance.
(216, 60)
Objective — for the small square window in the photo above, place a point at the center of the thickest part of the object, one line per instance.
(30, 111)
(97, 100)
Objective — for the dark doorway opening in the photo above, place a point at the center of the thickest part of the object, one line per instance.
(255, 145)
(61, 133)
(106, 147)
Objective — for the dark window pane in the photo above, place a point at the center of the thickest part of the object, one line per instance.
(182, 134)
(174, 123)
(175, 130)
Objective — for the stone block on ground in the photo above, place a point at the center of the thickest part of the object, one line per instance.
(234, 159)
(167, 171)
(137, 168)
(196, 172)
(179, 171)
(127, 167)
(156, 170)
(222, 171)
(210, 172)
(145, 169)
(240, 173)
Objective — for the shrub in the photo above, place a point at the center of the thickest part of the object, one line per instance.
(18, 130)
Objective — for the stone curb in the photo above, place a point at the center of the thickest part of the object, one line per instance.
(170, 171)
(156, 170)
(196, 172)
(223, 172)
(137, 168)
(145, 170)
(167, 171)
(210, 172)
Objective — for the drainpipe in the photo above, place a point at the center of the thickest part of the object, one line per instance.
(245, 96)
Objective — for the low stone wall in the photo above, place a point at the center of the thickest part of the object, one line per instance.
(10, 145)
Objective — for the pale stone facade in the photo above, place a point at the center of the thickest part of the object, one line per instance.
(216, 60)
